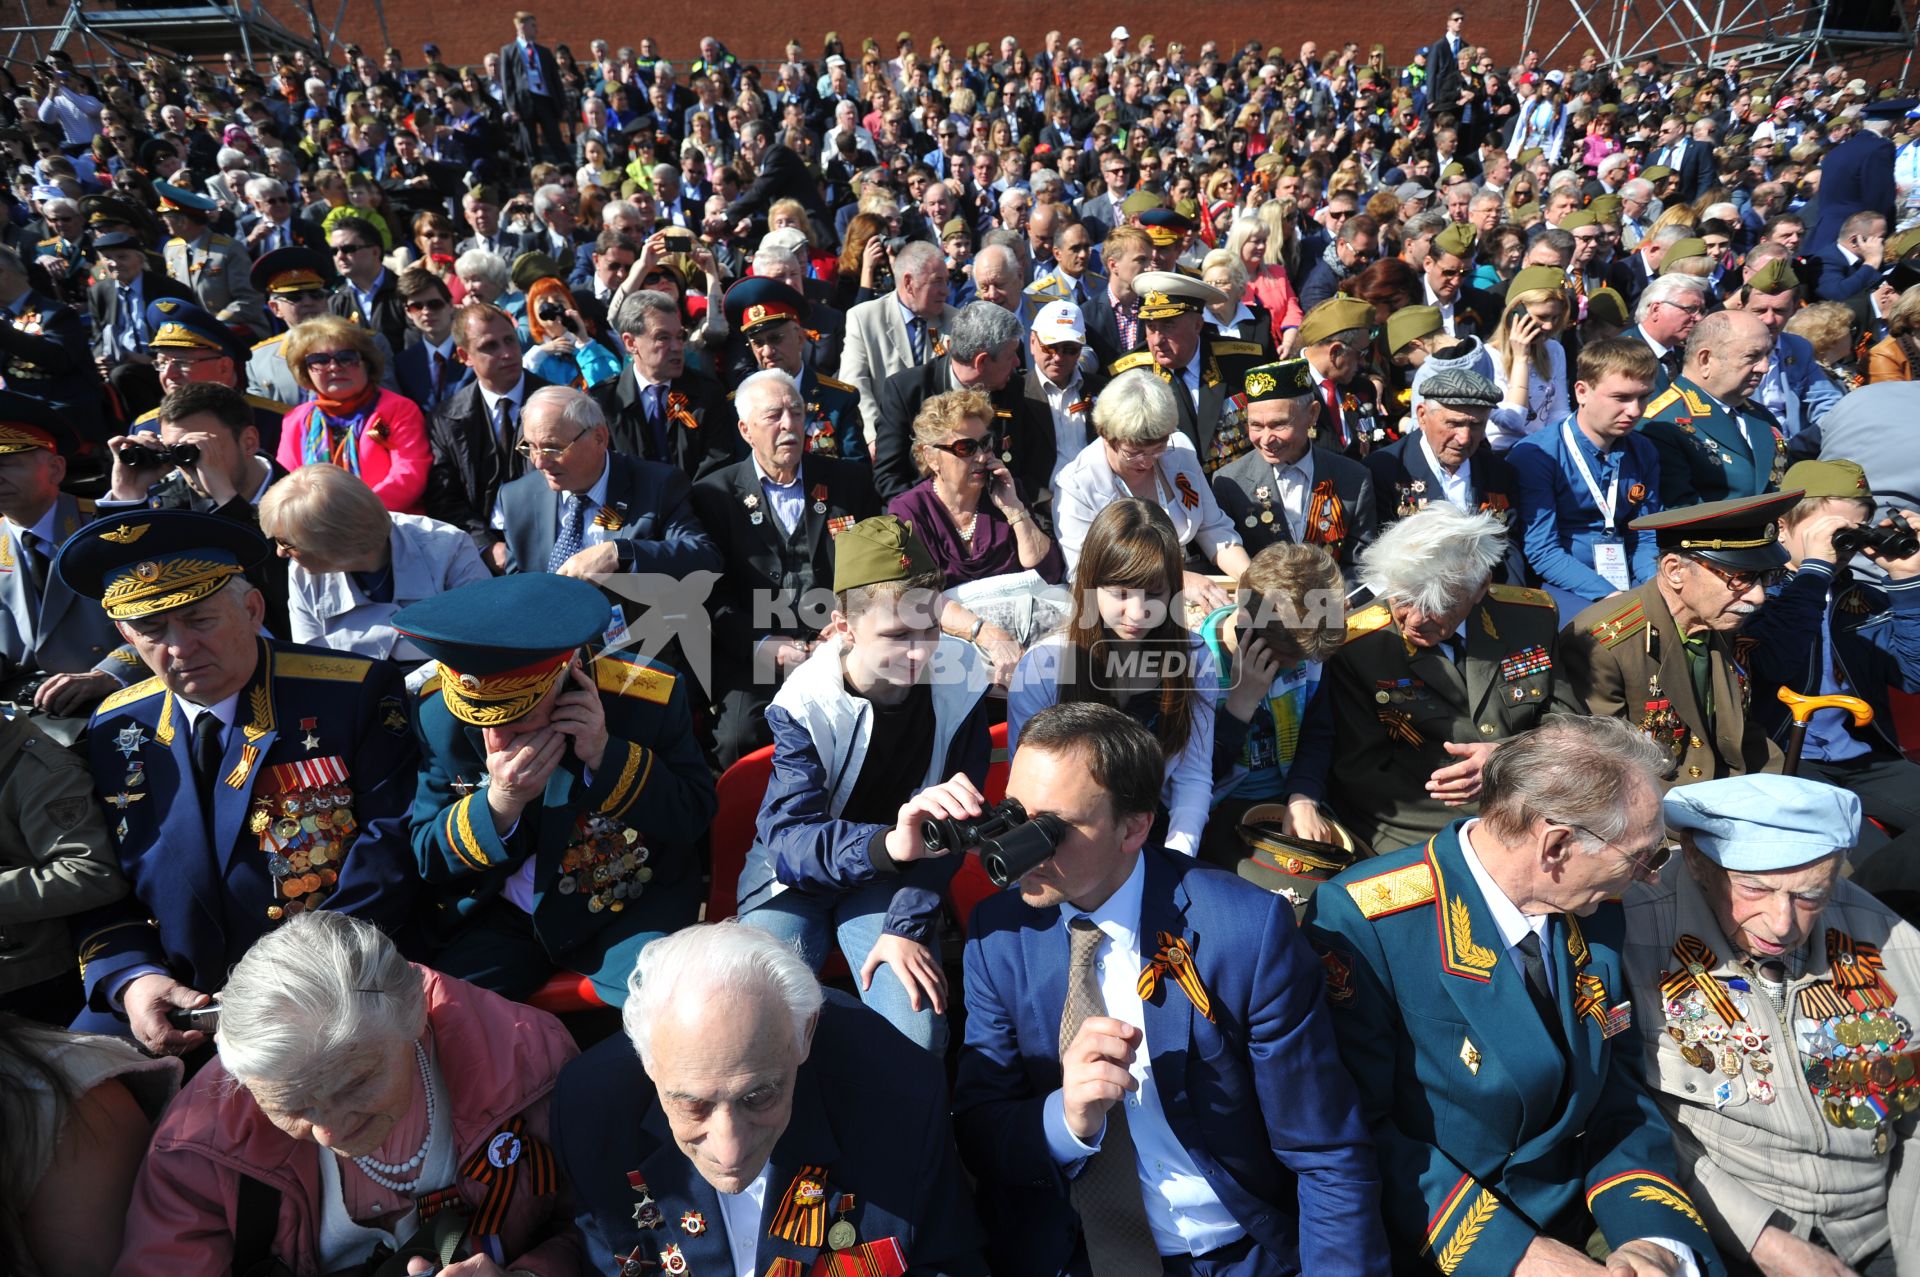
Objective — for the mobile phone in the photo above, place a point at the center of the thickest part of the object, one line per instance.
(206, 1018)
(680, 243)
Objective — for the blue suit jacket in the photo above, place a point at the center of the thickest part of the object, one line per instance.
(413, 377)
(1855, 176)
(651, 501)
(1835, 280)
(1560, 523)
(869, 1112)
(1257, 1095)
(208, 891)
(1488, 1133)
(1810, 393)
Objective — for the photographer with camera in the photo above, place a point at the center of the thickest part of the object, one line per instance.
(1827, 631)
(1149, 1068)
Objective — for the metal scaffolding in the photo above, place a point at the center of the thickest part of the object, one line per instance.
(99, 32)
(1782, 34)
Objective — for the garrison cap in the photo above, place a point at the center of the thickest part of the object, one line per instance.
(1774, 277)
(1140, 202)
(1820, 480)
(878, 550)
(1535, 279)
(1334, 316)
(1609, 307)
(1682, 250)
(1458, 240)
(1410, 323)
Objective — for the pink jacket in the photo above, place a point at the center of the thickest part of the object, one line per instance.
(1273, 291)
(497, 1059)
(394, 453)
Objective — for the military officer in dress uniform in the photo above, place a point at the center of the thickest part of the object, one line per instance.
(1439, 669)
(1286, 488)
(1336, 340)
(297, 283)
(773, 319)
(249, 780)
(1774, 999)
(216, 267)
(1208, 372)
(44, 351)
(1479, 998)
(1714, 444)
(777, 555)
(1663, 655)
(559, 796)
(190, 345)
(45, 630)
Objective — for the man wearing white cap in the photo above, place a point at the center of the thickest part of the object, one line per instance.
(1055, 377)
(1771, 996)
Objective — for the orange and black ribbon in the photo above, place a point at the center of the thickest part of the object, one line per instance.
(497, 1166)
(1696, 968)
(1176, 959)
(1188, 497)
(1326, 516)
(802, 1216)
(1399, 725)
(1857, 968)
(1590, 998)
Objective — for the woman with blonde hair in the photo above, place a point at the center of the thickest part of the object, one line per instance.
(1283, 237)
(1529, 363)
(1897, 356)
(1268, 287)
(351, 421)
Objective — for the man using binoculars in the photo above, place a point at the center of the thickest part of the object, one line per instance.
(1108, 1100)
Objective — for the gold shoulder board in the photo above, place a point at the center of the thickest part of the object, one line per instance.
(128, 695)
(1403, 888)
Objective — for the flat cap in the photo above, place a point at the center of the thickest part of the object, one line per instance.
(1460, 388)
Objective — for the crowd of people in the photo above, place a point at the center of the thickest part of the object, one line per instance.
(1368, 600)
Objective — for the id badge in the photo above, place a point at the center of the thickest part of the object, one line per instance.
(1610, 561)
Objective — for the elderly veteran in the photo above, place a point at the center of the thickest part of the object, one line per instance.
(1479, 997)
(560, 793)
(1713, 442)
(189, 345)
(1434, 674)
(1772, 996)
(1336, 340)
(248, 781)
(1207, 371)
(1140, 453)
(353, 564)
(773, 319)
(295, 281)
(1287, 490)
(1663, 657)
(739, 1086)
(359, 1106)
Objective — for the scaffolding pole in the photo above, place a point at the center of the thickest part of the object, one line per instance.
(1757, 32)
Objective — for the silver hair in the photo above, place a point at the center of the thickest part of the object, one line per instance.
(1042, 179)
(1236, 271)
(711, 964)
(488, 266)
(264, 188)
(230, 157)
(1670, 234)
(316, 988)
(1638, 188)
(1435, 558)
(1670, 288)
(1571, 770)
(577, 408)
(1008, 259)
(980, 329)
(546, 197)
(919, 259)
(771, 255)
(614, 210)
(746, 397)
(1136, 408)
(630, 315)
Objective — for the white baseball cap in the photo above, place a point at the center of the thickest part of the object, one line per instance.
(1060, 322)
(1121, 33)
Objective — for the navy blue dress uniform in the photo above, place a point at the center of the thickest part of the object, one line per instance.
(1710, 451)
(869, 1128)
(1490, 1132)
(45, 628)
(178, 325)
(1627, 657)
(1395, 706)
(1213, 410)
(606, 859)
(1405, 483)
(44, 353)
(834, 425)
(303, 807)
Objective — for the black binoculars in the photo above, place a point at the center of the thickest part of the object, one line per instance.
(1888, 543)
(1010, 844)
(136, 457)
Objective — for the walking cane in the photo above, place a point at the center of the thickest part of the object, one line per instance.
(1802, 708)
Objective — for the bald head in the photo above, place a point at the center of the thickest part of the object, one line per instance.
(1727, 354)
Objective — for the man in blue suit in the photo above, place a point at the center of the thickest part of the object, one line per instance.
(1851, 264)
(1149, 1078)
(754, 1121)
(430, 369)
(1477, 994)
(250, 780)
(1856, 176)
(1794, 389)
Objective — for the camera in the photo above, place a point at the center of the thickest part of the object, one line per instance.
(1010, 844)
(1888, 543)
(136, 457)
(553, 312)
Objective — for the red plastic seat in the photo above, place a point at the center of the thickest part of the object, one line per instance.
(730, 839)
(566, 991)
(970, 884)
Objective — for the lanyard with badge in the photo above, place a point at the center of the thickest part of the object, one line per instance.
(1609, 553)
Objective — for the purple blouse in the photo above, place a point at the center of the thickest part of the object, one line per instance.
(993, 551)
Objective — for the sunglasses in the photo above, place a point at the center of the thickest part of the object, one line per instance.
(337, 358)
(966, 449)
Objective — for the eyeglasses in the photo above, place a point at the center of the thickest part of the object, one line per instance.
(966, 448)
(276, 199)
(1152, 452)
(337, 358)
(1743, 582)
(348, 250)
(304, 295)
(1695, 311)
(1648, 860)
(427, 304)
(165, 362)
(535, 452)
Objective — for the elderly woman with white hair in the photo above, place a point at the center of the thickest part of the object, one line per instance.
(360, 1106)
(1140, 453)
(1237, 318)
(487, 278)
(354, 563)
(1441, 668)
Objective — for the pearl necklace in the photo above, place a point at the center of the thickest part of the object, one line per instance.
(378, 1171)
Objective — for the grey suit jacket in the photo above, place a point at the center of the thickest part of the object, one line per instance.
(878, 346)
(60, 632)
(653, 508)
(1236, 486)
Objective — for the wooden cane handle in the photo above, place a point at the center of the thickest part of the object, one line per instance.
(1803, 707)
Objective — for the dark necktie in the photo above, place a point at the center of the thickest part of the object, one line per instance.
(917, 338)
(503, 425)
(35, 561)
(440, 366)
(1671, 361)
(1113, 1214)
(573, 519)
(206, 760)
(1534, 967)
(657, 422)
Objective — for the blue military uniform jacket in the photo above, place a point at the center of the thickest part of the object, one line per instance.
(869, 1124)
(1253, 1089)
(1488, 1133)
(1560, 523)
(614, 852)
(58, 631)
(312, 725)
(1710, 452)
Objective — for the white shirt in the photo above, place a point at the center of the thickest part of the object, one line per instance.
(1457, 487)
(226, 711)
(492, 402)
(1186, 1215)
(741, 1212)
(1069, 431)
(1293, 484)
(1190, 378)
(1445, 309)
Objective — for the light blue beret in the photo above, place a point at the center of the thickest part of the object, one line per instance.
(1758, 824)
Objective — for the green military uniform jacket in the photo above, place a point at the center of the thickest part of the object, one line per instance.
(1709, 452)
(55, 855)
(1396, 706)
(1217, 424)
(1626, 660)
